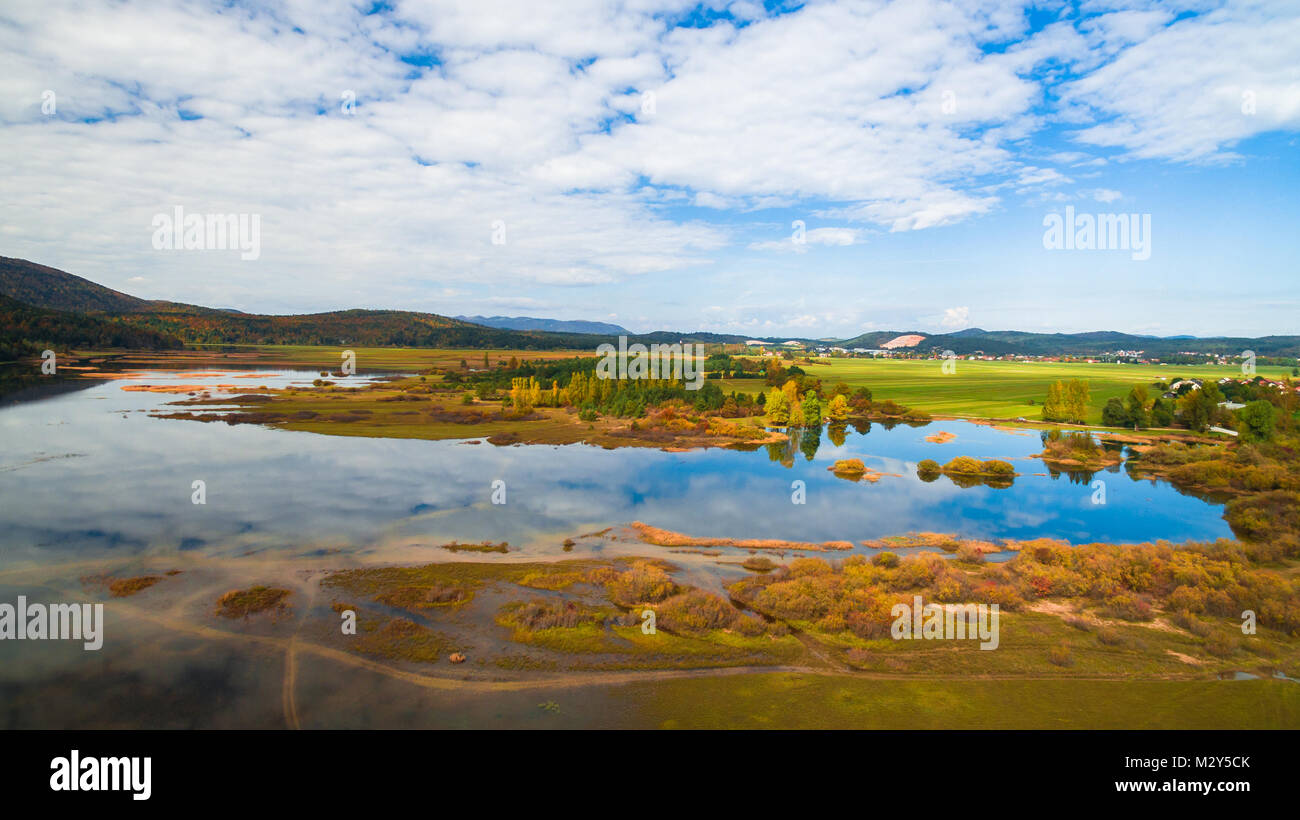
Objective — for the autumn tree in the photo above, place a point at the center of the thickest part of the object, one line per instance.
(1067, 401)
(1054, 406)
(1077, 399)
(775, 373)
(791, 391)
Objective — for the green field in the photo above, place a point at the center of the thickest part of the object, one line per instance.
(977, 389)
(794, 701)
(999, 390)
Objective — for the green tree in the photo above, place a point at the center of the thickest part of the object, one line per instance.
(709, 397)
(1054, 406)
(1162, 412)
(1076, 401)
(809, 442)
(1257, 421)
(812, 410)
(1114, 414)
(778, 409)
(1199, 406)
(791, 390)
(1136, 405)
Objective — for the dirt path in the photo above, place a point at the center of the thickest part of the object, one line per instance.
(818, 651)
(307, 591)
(290, 679)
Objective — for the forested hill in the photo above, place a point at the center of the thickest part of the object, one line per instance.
(26, 331)
(550, 325)
(42, 287)
(365, 328)
(378, 328)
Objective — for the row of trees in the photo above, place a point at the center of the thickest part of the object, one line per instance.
(1137, 411)
(1196, 409)
(615, 397)
(787, 408)
(1067, 402)
(626, 398)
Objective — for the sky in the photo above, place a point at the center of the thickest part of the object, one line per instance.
(817, 169)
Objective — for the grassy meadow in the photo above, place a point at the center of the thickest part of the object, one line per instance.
(792, 701)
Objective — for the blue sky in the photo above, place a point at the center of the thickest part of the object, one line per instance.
(646, 160)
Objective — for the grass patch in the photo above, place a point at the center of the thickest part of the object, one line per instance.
(400, 639)
(126, 587)
(240, 603)
(486, 546)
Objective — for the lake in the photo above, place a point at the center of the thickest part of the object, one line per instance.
(88, 473)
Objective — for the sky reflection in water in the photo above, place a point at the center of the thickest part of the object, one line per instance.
(86, 473)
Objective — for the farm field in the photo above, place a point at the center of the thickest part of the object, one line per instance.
(999, 390)
(977, 389)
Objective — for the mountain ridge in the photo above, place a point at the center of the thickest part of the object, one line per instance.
(548, 325)
(45, 288)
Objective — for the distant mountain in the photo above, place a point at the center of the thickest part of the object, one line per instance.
(43, 288)
(548, 325)
(875, 340)
(81, 313)
(910, 340)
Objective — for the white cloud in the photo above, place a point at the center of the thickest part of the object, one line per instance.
(873, 115)
(955, 317)
(1103, 194)
(835, 237)
(1185, 92)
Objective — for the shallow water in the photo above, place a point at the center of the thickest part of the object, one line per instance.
(90, 474)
